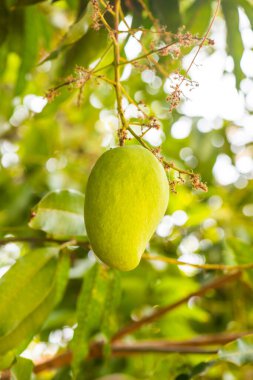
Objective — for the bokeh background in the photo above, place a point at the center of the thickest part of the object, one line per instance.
(53, 145)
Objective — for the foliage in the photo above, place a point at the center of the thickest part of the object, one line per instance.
(60, 64)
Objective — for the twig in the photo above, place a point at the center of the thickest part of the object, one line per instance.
(121, 349)
(122, 129)
(31, 239)
(170, 260)
(204, 38)
(217, 283)
(155, 346)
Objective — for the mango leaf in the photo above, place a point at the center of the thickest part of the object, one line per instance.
(78, 54)
(248, 9)
(197, 16)
(234, 40)
(24, 285)
(22, 369)
(239, 352)
(29, 48)
(90, 311)
(25, 314)
(167, 12)
(60, 213)
(110, 304)
(238, 252)
(76, 31)
(62, 276)
(199, 369)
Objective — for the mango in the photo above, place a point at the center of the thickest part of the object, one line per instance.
(126, 196)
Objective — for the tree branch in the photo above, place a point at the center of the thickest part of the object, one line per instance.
(122, 129)
(217, 283)
(170, 260)
(38, 240)
(192, 346)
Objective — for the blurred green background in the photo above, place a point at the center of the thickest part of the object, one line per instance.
(53, 145)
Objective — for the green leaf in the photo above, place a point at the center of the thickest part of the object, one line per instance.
(60, 213)
(62, 276)
(239, 352)
(238, 252)
(29, 48)
(248, 9)
(167, 12)
(78, 54)
(197, 16)
(234, 40)
(111, 302)
(35, 275)
(90, 308)
(22, 369)
(24, 286)
(76, 31)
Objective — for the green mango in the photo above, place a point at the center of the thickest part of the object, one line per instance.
(126, 196)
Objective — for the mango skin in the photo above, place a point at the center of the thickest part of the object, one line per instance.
(127, 194)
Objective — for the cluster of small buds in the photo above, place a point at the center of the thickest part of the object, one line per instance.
(51, 94)
(122, 136)
(176, 93)
(96, 21)
(108, 6)
(175, 97)
(82, 76)
(157, 153)
(141, 66)
(153, 123)
(197, 183)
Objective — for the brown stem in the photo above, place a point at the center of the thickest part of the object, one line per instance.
(223, 267)
(123, 127)
(217, 283)
(121, 349)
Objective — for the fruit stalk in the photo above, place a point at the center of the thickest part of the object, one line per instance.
(123, 127)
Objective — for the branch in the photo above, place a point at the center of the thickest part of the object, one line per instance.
(204, 38)
(191, 346)
(217, 283)
(121, 349)
(170, 260)
(31, 239)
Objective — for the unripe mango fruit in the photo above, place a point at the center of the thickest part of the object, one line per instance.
(126, 196)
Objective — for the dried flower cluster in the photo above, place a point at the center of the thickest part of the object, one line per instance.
(163, 44)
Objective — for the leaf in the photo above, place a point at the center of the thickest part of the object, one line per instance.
(22, 369)
(78, 54)
(167, 12)
(29, 48)
(238, 252)
(60, 213)
(239, 352)
(90, 306)
(76, 31)
(248, 9)
(234, 39)
(26, 314)
(197, 16)
(62, 276)
(111, 302)
(24, 286)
